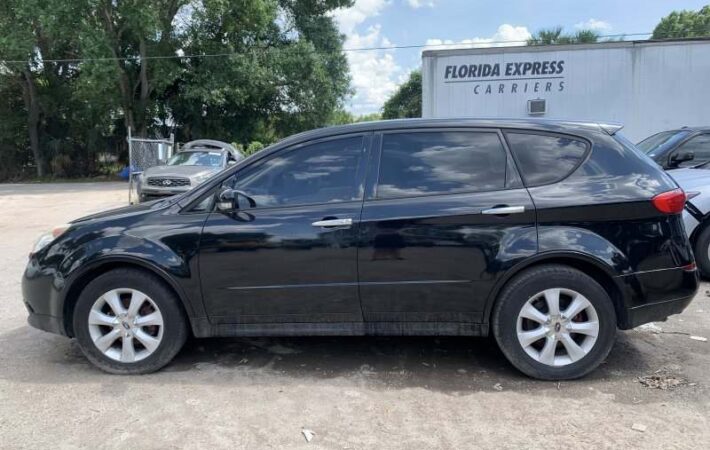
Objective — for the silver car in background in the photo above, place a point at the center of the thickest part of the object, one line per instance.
(695, 182)
(194, 163)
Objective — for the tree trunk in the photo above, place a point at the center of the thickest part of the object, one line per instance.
(29, 91)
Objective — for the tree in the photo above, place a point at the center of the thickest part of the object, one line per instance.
(30, 31)
(284, 70)
(684, 24)
(76, 74)
(406, 100)
(555, 36)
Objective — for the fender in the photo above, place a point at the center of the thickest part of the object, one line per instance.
(559, 256)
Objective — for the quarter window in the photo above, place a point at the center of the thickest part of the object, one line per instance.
(414, 164)
(323, 172)
(544, 159)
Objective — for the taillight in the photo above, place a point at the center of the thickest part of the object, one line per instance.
(671, 202)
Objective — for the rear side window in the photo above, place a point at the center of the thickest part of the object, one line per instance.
(544, 159)
(414, 164)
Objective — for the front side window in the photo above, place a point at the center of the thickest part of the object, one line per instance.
(206, 158)
(414, 164)
(323, 172)
(699, 146)
(654, 146)
(544, 159)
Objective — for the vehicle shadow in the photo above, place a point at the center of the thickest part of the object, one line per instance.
(444, 364)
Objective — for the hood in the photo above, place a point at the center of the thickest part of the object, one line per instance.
(690, 178)
(179, 171)
(122, 211)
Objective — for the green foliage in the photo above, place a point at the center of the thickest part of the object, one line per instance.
(684, 24)
(407, 99)
(342, 117)
(555, 36)
(283, 72)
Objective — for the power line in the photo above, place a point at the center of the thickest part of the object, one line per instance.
(462, 45)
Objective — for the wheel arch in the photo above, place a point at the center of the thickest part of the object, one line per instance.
(597, 269)
(98, 268)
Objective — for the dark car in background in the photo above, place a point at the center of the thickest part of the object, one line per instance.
(684, 147)
(548, 235)
(194, 163)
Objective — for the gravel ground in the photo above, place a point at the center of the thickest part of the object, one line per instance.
(354, 392)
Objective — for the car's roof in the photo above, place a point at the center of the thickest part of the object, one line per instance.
(383, 125)
(700, 129)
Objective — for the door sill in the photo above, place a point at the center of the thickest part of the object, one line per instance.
(203, 328)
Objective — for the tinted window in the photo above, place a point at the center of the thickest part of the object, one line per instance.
(655, 145)
(700, 146)
(317, 173)
(545, 159)
(440, 162)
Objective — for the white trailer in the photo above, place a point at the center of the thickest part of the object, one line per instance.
(648, 86)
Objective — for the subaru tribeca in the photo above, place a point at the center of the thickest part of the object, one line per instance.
(548, 235)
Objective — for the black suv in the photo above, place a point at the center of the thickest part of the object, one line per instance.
(684, 147)
(549, 235)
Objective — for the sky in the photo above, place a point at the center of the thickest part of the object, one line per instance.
(384, 23)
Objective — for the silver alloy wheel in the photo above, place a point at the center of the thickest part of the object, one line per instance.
(125, 325)
(557, 337)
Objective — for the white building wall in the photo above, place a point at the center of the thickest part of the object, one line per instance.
(648, 87)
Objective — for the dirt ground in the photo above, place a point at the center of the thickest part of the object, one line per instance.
(354, 392)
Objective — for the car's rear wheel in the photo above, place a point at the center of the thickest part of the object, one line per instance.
(702, 252)
(128, 322)
(554, 322)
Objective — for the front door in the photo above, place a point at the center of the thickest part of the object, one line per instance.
(291, 258)
(445, 216)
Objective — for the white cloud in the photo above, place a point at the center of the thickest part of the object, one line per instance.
(594, 24)
(507, 35)
(373, 72)
(349, 18)
(416, 4)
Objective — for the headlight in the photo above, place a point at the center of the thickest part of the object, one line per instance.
(200, 178)
(46, 238)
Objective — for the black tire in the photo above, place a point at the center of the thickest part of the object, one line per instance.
(701, 250)
(174, 332)
(535, 280)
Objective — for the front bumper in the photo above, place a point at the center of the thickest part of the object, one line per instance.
(46, 323)
(162, 192)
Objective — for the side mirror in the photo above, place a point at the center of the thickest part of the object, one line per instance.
(682, 157)
(228, 200)
(231, 162)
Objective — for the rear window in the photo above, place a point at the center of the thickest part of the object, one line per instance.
(426, 163)
(543, 158)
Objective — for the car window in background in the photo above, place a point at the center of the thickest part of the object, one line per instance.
(700, 146)
(211, 159)
(544, 159)
(324, 172)
(415, 164)
(656, 144)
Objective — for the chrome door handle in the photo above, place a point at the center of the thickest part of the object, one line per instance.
(333, 223)
(500, 210)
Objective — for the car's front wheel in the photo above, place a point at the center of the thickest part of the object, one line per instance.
(128, 322)
(702, 252)
(554, 322)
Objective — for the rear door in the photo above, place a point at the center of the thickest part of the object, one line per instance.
(445, 215)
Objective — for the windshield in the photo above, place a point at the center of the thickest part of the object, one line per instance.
(203, 158)
(656, 144)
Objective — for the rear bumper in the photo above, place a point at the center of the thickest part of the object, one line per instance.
(652, 296)
(657, 312)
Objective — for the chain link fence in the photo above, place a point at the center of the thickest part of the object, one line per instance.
(144, 154)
